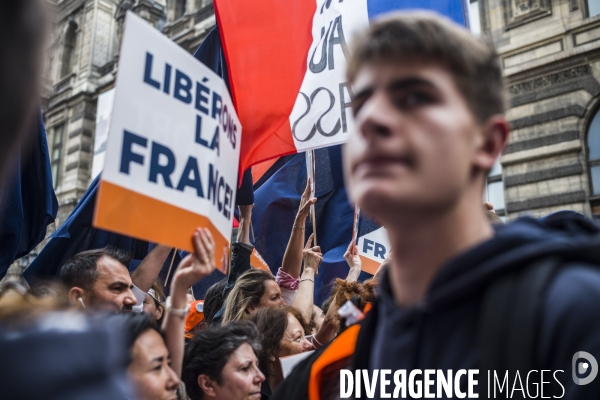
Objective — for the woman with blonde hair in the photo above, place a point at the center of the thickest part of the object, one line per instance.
(253, 289)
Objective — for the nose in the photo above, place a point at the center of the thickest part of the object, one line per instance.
(129, 299)
(306, 345)
(259, 377)
(375, 117)
(282, 302)
(172, 380)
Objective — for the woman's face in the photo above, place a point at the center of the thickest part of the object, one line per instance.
(149, 371)
(293, 341)
(241, 378)
(150, 308)
(272, 295)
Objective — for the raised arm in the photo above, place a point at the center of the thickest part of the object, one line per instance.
(353, 259)
(305, 296)
(147, 272)
(191, 269)
(292, 259)
(243, 235)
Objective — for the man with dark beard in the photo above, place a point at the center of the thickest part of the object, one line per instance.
(99, 279)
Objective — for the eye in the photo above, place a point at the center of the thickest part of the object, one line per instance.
(357, 105)
(412, 99)
(359, 100)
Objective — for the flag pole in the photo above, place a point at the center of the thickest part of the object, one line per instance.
(170, 266)
(310, 172)
(355, 225)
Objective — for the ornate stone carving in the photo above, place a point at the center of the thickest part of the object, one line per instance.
(519, 12)
(549, 80)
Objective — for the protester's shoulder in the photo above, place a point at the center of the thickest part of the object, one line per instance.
(575, 289)
(570, 309)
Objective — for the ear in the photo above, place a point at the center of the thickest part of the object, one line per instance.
(74, 294)
(250, 309)
(495, 133)
(159, 312)
(207, 386)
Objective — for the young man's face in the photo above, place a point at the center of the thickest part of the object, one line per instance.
(414, 141)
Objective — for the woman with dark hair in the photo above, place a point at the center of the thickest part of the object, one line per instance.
(149, 366)
(253, 289)
(282, 335)
(221, 363)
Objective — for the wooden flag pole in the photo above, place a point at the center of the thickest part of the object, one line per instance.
(310, 172)
(170, 266)
(355, 225)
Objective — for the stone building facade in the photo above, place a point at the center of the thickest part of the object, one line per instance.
(82, 64)
(550, 51)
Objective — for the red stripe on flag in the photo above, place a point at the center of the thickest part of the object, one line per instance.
(266, 44)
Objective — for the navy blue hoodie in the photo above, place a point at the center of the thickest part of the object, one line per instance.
(441, 332)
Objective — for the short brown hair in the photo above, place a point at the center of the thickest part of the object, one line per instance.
(81, 270)
(429, 37)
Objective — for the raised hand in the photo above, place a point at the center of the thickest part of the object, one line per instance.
(351, 256)
(199, 264)
(305, 202)
(312, 255)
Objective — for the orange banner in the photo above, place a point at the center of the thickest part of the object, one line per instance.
(129, 213)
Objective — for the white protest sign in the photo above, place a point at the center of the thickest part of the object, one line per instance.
(173, 146)
(321, 115)
(289, 362)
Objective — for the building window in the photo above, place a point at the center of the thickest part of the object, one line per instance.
(593, 152)
(593, 8)
(180, 6)
(474, 17)
(495, 189)
(69, 50)
(56, 156)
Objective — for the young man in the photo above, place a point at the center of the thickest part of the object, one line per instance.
(429, 124)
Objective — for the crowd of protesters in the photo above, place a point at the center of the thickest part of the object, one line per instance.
(429, 108)
(225, 346)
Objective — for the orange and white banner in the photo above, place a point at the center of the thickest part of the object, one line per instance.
(173, 146)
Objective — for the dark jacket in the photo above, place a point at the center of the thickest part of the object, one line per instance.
(442, 331)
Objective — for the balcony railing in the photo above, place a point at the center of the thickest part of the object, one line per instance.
(64, 83)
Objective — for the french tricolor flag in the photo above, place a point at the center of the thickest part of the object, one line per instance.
(287, 62)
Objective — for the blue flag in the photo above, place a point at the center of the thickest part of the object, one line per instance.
(77, 234)
(27, 200)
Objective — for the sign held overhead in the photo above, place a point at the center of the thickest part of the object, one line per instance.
(173, 146)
